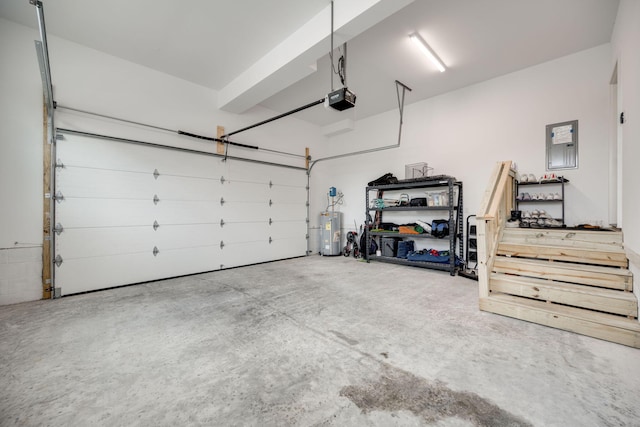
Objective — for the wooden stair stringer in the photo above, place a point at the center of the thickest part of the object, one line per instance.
(616, 258)
(597, 240)
(576, 295)
(591, 275)
(573, 280)
(608, 327)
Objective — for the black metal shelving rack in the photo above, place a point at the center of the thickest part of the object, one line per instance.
(454, 209)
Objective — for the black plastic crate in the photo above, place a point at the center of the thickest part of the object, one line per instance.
(389, 246)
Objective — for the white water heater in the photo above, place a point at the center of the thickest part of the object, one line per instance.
(330, 234)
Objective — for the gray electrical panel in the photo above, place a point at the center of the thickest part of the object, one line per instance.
(330, 234)
(562, 145)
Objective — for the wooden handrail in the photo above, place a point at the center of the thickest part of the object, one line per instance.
(495, 190)
(496, 205)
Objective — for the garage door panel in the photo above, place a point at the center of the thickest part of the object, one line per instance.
(85, 151)
(85, 274)
(183, 164)
(192, 212)
(262, 191)
(238, 254)
(126, 213)
(285, 245)
(242, 171)
(186, 236)
(188, 188)
(286, 206)
(288, 212)
(245, 187)
(73, 213)
(264, 173)
(95, 242)
(90, 183)
(288, 194)
(108, 213)
(244, 212)
(289, 247)
(245, 233)
(244, 253)
(81, 275)
(239, 201)
(179, 262)
(289, 228)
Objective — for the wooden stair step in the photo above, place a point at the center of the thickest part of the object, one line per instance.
(588, 297)
(612, 257)
(591, 275)
(598, 240)
(586, 322)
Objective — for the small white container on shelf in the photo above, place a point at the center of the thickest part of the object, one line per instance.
(437, 199)
(417, 170)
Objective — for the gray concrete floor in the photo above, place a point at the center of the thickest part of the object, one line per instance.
(308, 341)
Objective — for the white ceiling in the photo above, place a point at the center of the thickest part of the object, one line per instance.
(265, 52)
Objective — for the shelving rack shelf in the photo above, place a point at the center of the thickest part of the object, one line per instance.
(559, 181)
(453, 209)
(472, 242)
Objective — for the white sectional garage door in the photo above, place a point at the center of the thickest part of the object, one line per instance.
(133, 213)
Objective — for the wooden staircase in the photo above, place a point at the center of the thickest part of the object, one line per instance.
(575, 280)
(568, 279)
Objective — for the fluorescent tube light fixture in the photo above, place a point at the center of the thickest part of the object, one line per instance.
(426, 49)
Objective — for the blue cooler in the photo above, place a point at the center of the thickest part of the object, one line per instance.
(404, 247)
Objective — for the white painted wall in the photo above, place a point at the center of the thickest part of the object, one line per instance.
(21, 136)
(462, 133)
(626, 35)
(465, 132)
(20, 274)
(20, 166)
(87, 79)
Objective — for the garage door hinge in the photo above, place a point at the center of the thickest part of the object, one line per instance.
(155, 199)
(221, 223)
(307, 220)
(155, 225)
(270, 240)
(306, 236)
(222, 180)
(270, 202)
(58, 229)
(59, 197)
(58, 261)
(221, 201)
(155, 251)
(156, 174)
(270, 184)
(270, 221)
(221, 244)
(307, 204)
(59, 137)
